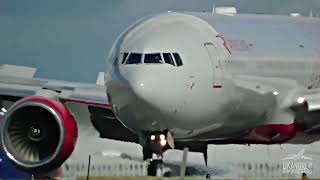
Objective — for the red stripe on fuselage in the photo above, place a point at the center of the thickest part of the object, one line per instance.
(217, 86)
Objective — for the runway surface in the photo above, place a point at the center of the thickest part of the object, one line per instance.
(158, 178)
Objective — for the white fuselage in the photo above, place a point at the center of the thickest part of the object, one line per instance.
(224, 86)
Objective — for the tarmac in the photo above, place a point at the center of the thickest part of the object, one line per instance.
(161, 178)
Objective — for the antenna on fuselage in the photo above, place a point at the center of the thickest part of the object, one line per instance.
(311, 13)
(213, 8)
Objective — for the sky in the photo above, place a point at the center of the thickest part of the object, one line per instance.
(70, 40)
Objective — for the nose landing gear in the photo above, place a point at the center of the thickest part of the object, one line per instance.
(156, 144)
(205, 155)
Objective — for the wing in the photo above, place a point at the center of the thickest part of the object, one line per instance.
(288, 102)
(307, 109)
(17, 82)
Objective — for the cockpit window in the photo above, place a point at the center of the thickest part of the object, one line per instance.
(124, 57)
(168, 58)
(152, 58)
(178, 59)
(134, 58)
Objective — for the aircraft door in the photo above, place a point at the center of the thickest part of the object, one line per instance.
(216, 64)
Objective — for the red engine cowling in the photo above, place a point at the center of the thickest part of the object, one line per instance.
(272, 133)
(38, 134)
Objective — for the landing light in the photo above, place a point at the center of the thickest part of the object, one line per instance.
(300, 100)
(162, 137)
(153, 137)
(163, 142)
(275, 93)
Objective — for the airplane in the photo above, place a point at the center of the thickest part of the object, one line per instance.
(175, 80)
(297, 156)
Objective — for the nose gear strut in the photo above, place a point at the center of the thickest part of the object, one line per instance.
(156, 144)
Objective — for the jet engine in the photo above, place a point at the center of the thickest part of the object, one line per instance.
(38, 134)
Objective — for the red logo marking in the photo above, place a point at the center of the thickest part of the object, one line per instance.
(224, 43)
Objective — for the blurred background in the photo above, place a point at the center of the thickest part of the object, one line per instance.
(70, 36)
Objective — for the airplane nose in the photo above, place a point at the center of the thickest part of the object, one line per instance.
(147, 91)
(142, 87)
(136, 102)
(131, 88)
(152, 88)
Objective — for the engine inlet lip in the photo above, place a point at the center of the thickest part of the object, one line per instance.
(6, 143)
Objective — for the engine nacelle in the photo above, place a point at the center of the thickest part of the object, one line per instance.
(38, 134)
(270, 134)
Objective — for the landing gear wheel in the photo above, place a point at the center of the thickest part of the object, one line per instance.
(153, 147)
(147, 154)
(153, 152)
(155, 168)
(205, 155)
(208, 176)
